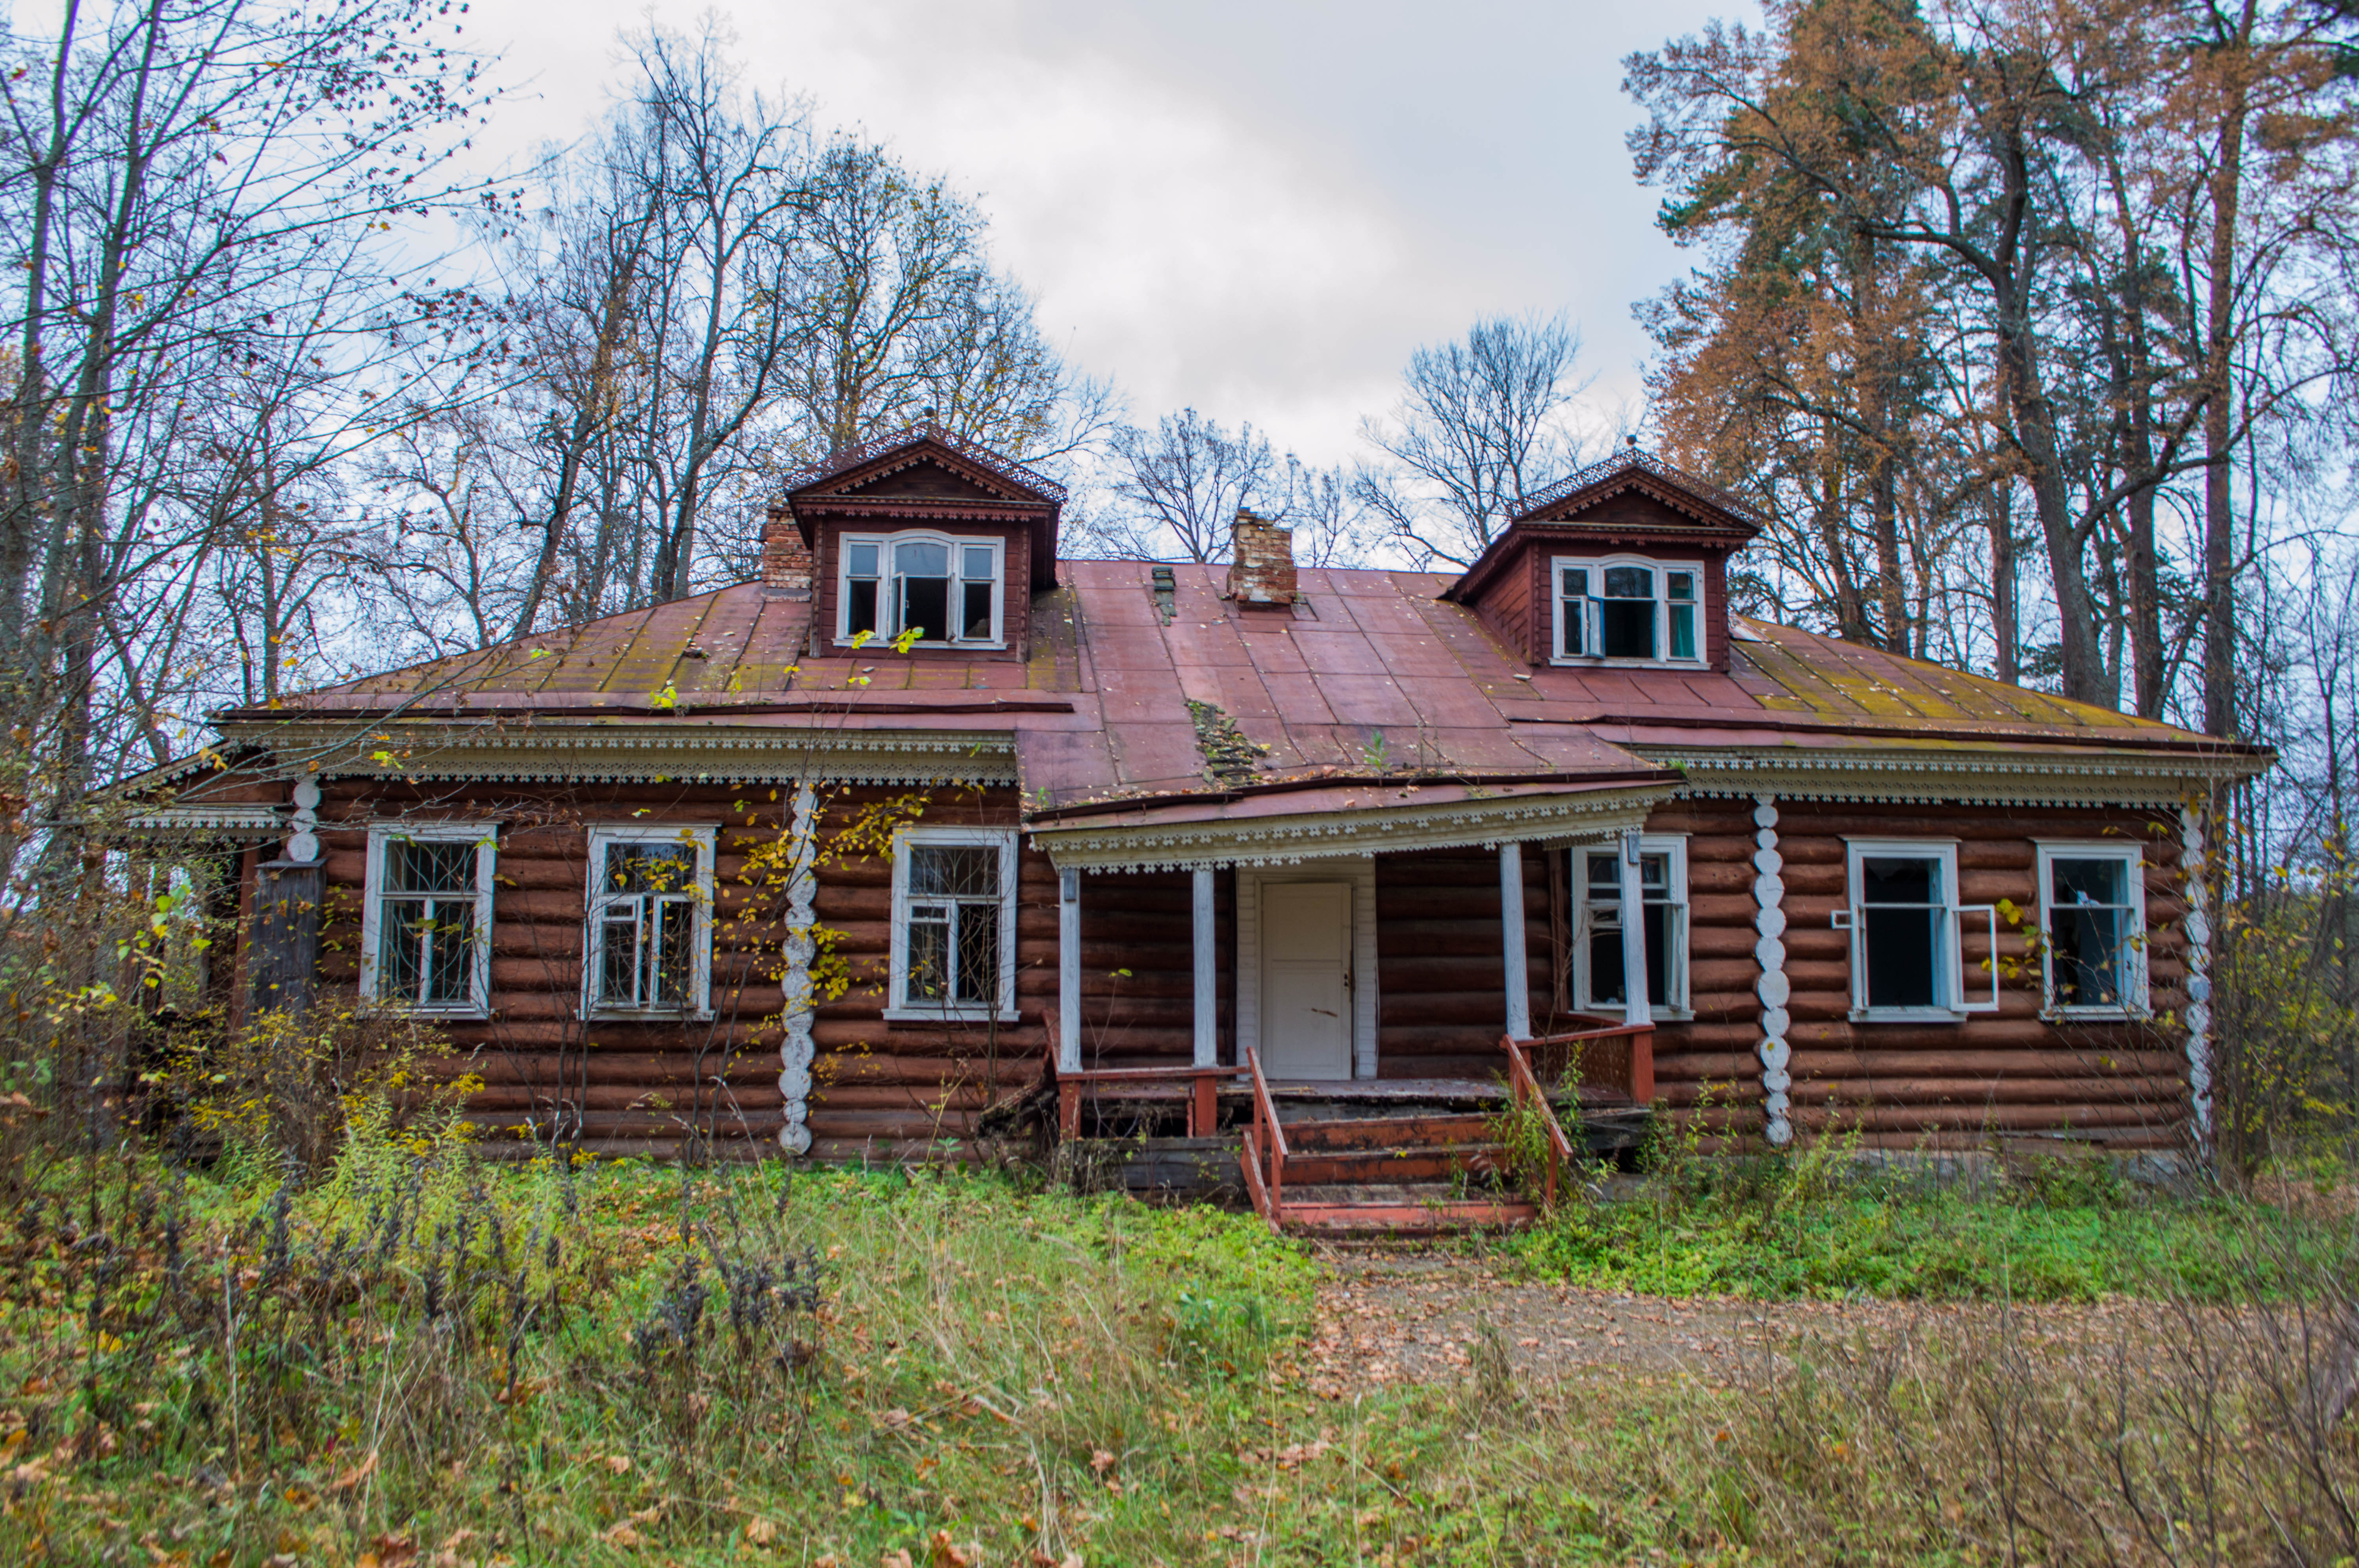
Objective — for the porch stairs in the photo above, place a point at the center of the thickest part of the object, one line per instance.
(1430, 1161)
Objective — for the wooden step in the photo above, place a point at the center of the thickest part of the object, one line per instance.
(1408, 1208)
(1386, 1132)
(1421, 1162)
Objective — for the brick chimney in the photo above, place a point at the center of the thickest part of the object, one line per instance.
(786, 559)
(1262, 576)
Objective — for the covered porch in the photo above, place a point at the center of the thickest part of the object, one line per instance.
(1330, 1009)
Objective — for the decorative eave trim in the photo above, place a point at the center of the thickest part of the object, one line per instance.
(243, 821)
(1962, 776)
(636, 753)
(1381, 830)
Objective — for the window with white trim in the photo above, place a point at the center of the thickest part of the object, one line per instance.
(2093, 925)
(1908, 934)
(426, 918)
(954, 924)
(648, 948)
(944, 588)
(1628, 609)
(1598, 925)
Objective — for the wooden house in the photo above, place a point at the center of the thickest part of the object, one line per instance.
(931, 819)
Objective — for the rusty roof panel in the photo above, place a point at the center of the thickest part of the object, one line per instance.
(1101, 708)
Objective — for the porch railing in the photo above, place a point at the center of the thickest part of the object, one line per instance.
(1264, 1150)
(1524, 1091)
(1616, 1056)
(1619, 1055)
(1202, 1086)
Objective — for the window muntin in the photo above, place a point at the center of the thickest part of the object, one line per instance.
(1907, 933)
(2093, 922)
(1598, 925)
(648, 943)
(954, 924)
(426, 942)
(945, 589)
(1638, 611)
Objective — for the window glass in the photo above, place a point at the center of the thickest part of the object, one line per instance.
(952, 941)
(2088, 929)
(1681, 586)
(921, 558)
(1572, 612)
(428, 914)
(644, 925)
(935, 590)
(1661, 921)
(1627, 610)
(1903, 905)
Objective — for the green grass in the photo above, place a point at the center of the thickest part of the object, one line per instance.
(437, 1361)
(1902, 1243)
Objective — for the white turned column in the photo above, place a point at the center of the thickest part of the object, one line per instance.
(1207, 995)
(1511, 939)
(2199, 972)
(797, 1051)
(1069, 971)
(1772, 988)
(1635, 1009)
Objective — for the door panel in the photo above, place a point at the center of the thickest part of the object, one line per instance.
(1306, 993)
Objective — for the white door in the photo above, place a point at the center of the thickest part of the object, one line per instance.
(1305, 979)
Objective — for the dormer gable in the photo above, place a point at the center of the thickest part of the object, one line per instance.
(1621, 564)
(923, 530)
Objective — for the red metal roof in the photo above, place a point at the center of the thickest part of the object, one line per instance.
(1373, 678)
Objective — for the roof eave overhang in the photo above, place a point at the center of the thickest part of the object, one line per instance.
(1955, 776)
(1099, 844)
(630, 753)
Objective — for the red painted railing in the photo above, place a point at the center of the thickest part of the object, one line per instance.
(1617, 1055)
(1620, 1055)
(1524, 1089)
(1265, 1152)
(1203, 1103)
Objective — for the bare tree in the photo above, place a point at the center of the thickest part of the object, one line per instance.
(200, 202)
(1179, 486)
(1481, 424)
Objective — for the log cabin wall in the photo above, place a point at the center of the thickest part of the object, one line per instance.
(880, 1089)
(1709, 1058)
(1139, 967)
(1441, 993)
(1935, 1085)
(884, 1089)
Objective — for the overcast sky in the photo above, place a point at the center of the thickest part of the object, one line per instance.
(1256, 208)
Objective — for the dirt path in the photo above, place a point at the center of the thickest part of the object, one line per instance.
(1397, 1317)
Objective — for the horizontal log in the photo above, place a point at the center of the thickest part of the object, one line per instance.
(2053, 1064)
(2004, 1118)
(751, 1095)
(1480, 1010)
(2001, 1089)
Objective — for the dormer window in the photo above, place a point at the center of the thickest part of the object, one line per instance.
(944, 588)
(1642, 611)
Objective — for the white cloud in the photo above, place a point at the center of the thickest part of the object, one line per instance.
(1256, 210)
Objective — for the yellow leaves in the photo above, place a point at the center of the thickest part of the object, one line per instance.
(760, 1532)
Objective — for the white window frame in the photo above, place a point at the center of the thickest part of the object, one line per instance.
(1952, 1003)
(1596, 566)
(484, 836)
(1677, 1007)
(902, 1009)
(702, 836)
(889, 611)
(2136, 997)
